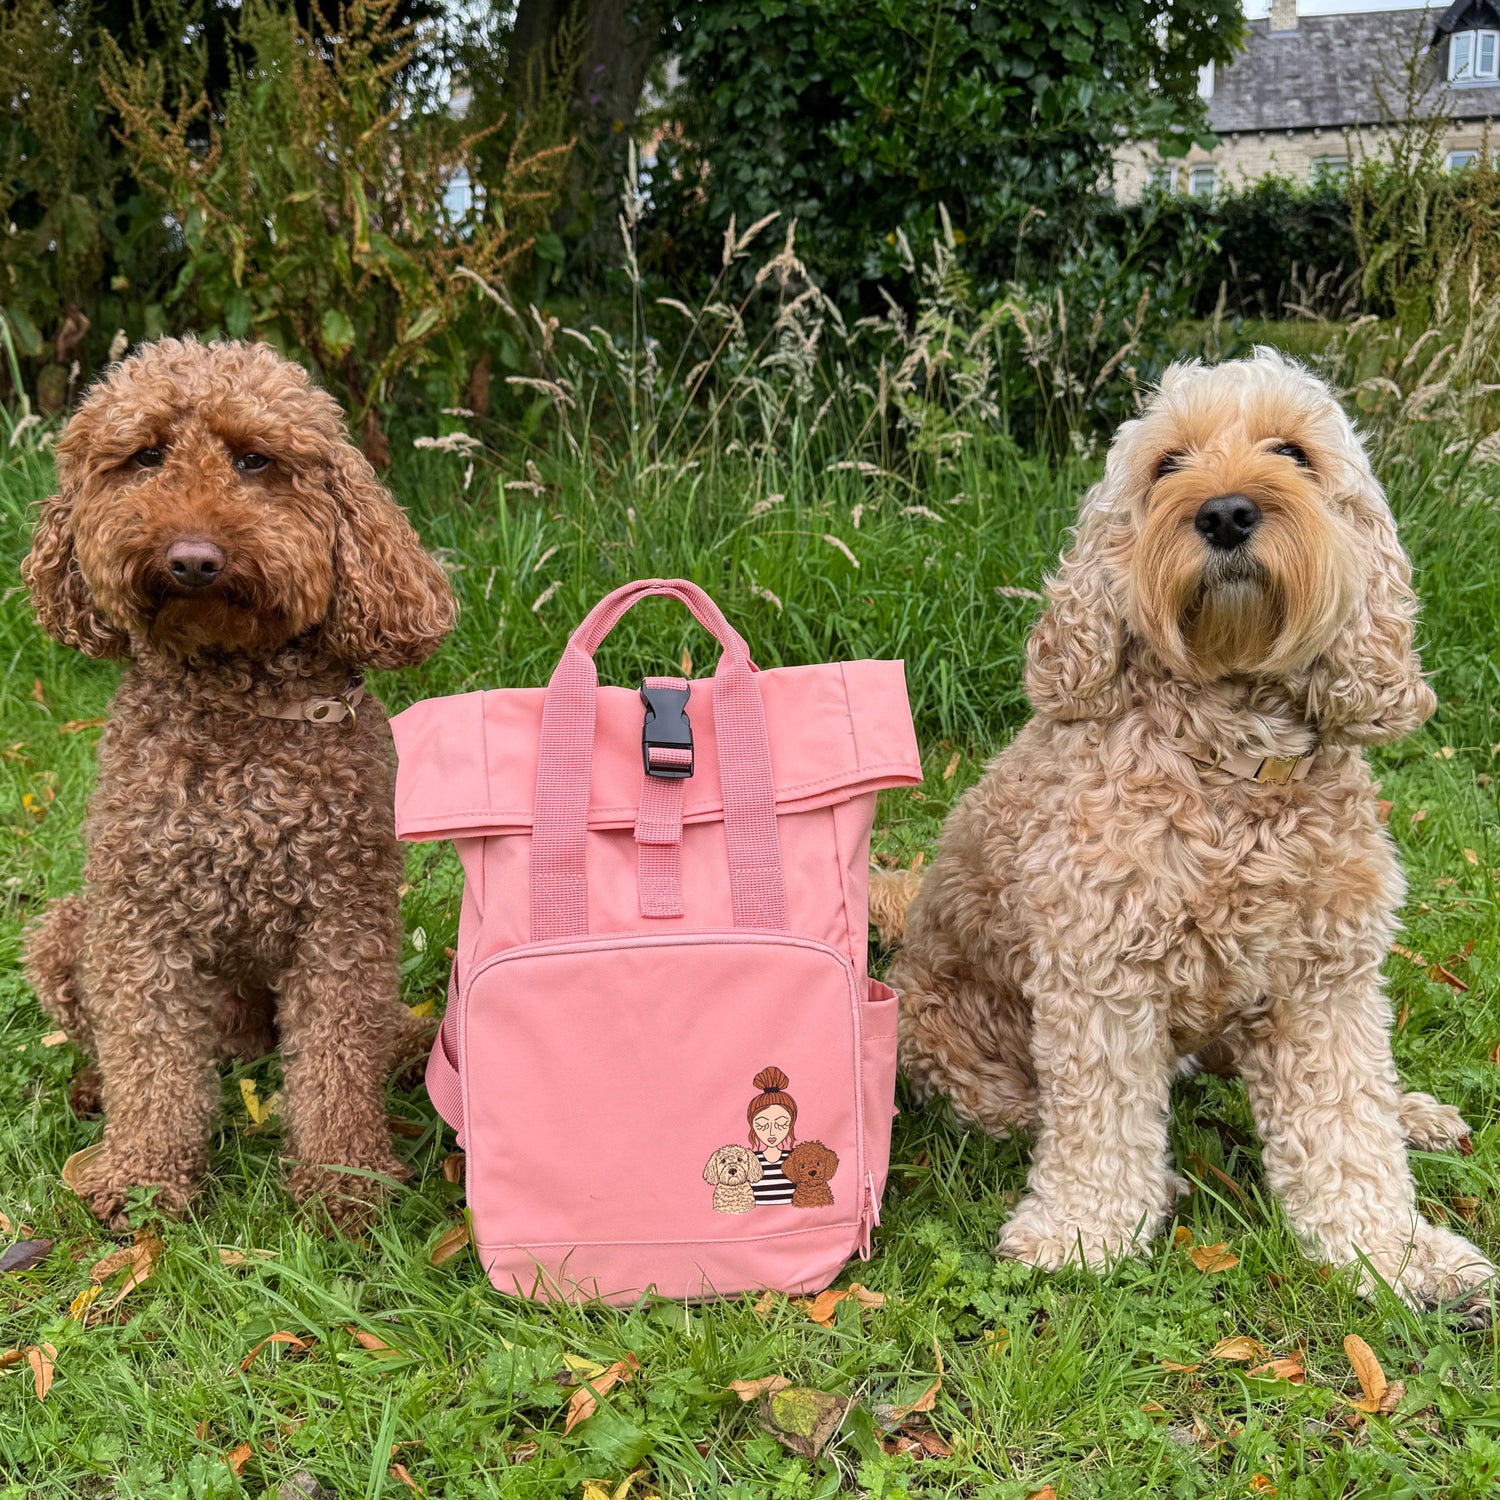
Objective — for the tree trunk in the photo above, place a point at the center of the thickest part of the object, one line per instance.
(618, 49)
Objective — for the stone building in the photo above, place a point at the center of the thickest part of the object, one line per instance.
(1313, 72)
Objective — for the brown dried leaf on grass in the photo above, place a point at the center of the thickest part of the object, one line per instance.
(1213, 1258)
(453, 1167)
(1240, 1349)
(25, 1254)
(279, 1337)
(237, 1457)
(399, 1472)
(453, 1240)
(367, 1340)
(1380, 1396)
(803, 1420)
(822, 1308)
(753, 1390)
(228, 1256)
(54, 1038)
(1045, 1493)
(79, 1162)
(585, 1400)
(41, 1358)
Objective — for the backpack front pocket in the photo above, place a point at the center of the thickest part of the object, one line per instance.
(661, 1110)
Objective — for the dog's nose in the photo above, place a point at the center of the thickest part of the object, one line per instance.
(194, 563)
(1226, 521)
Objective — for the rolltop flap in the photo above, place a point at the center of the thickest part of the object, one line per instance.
(468, 763)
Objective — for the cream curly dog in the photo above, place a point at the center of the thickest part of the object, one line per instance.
(1181, 847)
(213, 524)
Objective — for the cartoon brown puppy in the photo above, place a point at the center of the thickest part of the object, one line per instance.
(809, 1166)
(732, 1169)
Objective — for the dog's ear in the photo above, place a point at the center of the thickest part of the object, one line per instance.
(711, 1169)
(392, 604)
(1368, 686)
(1074, 652)
(64, 606)
(833, 1162)
(756, 1173)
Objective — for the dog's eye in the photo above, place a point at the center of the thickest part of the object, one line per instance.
(1291, 450)
(1168, 463)
(147, 458)
(251, 463)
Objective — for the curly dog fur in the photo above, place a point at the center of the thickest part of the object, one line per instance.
(1102, 905)
(242, 870)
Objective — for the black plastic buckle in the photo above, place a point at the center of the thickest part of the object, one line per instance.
(666, 728)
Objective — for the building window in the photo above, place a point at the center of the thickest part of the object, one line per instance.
(1329, 168)
(1460, 159)
(1474, 56)
(1201, 181)
(1161, 178)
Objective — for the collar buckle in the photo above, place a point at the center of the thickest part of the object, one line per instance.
(1279, 770)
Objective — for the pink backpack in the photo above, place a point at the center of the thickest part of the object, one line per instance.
(666, 1064)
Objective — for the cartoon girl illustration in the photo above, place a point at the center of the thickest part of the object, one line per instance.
(772, 1114)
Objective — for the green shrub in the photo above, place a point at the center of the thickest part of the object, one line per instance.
(861, 119)
(350, 260)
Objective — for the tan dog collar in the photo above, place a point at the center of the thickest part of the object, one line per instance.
(1278, 770)
(314, 710)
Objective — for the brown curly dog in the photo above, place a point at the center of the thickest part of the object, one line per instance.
(810, 1164)
(1181, 848)
(213, 524)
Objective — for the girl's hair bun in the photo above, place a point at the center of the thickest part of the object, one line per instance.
(771, 1080)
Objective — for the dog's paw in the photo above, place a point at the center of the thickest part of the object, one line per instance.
(346, 1201)
(107, 1182)
(1430, 1125)
(1037, 1237)
(1442, 1272)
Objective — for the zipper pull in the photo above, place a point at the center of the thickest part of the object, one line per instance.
(869, 1216)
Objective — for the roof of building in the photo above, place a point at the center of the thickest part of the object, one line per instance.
(1331, 71)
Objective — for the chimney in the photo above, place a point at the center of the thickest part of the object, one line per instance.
(1283, 15)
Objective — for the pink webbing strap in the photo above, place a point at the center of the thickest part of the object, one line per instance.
(559, 834)
(658, 826)
(443, 1085)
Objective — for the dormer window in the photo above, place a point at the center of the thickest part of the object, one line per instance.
(1474, 56)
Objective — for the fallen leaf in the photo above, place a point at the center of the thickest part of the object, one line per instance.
(585, 1400)
(238, 1457)
(767, 1303)
(1366, 1367)
(398, 1471)
(952, 766)
(423, 1008)
(1177, 1369)
(1045, 1493)
(1464, 1206)
(1418, 816)
(1212, 1258)
(6, 1227)
(1289, 1370)
(25, 1254)
(752, 1390)
(232, 1257)
(54, 1038)
(272, 1338)
(140, 1259)
(302, 1486)
(453, 1167)
(1261, 1485)
(1182, 1235)
(1471, 856)
(80, 1305)
(79, 1162)
(452, 1241)
(37, 695)
(40, 1358)
(11, 1357)
(1241, 1348)
(365, 1339)
(803, 1420)
(822, 1307)
(1383, 810)
(580, 1368)
(259, 1112)
(411, 1129)
(1392, 1398)
(77, 726)
(687, 662)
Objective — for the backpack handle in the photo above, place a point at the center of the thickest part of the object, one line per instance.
(559, 832)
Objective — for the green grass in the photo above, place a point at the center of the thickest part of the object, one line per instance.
(1046, 1379)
